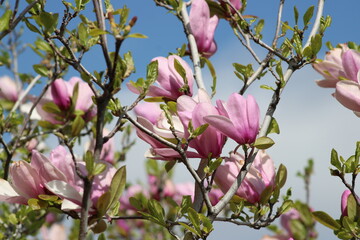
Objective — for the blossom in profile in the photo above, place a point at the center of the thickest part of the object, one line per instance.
(211, 141)
(239, 118)
(169, 83)
(203, 27)
(260, 176)
(61, 93)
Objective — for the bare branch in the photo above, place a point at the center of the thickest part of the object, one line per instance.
(193, 47)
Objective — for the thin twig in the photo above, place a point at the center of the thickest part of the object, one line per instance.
(193, 47)
(25, 93)
(13, 24)
(98, 7)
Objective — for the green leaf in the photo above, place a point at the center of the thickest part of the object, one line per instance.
(185, 204)
(5, 20)
(352, 209)
(266, 194)
(117, 185)
(83, 34)
(41, 69)
(37, 204)
(96, 32)
(335, 159)
(281, 176)
(169, 165)
(12, 219)
(180, 69)
(49, 21)
(213, 165)
(77, 126)
(194, 219)
(152, 72)
(98, 169)
(102, 204)
(263, 143)
(296, 15)
(287, 205)
(30, 26)
(100, 226)
(316, 44)
(200, 130)
(207, 226)
(89, 161)
(273, 127)
(50, 198)
(213, 75)
(326, 220)
(51, 107)
(190, 229)
(136, 35)
(308, 15)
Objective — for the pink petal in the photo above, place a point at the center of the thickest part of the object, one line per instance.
(8, 193)
(45, 168)
(348, 94)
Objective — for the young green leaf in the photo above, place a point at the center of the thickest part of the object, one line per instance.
(326, 220)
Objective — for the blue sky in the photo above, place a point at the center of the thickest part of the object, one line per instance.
(311, 121)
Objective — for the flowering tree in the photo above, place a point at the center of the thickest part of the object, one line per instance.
(81, 183)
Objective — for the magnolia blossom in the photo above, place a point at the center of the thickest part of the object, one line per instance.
(239, 118)
(153, 118)
(9, 90)
(170, 83)
(29, 180)
(260, 175)
(344, 200)
(341, 69)
(203, 27)
(211, 141)
(52, 176)
(332, 67)
(61, 93)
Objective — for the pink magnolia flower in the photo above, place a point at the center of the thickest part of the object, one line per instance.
(344, 199)
(348, 94)
(29, 180)
(211, 141)
(60, 93)
(340, 64)
(9, 90)
(169, 81)
(239, 118)
(260, 175)
(203, 27)
(237, 4)
(153, 118)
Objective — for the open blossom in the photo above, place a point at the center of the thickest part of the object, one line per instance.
(239, 119)
(169, 82)
(60, 93)
(153, 118)
(331, 67)
(9, 90)
(211, 141)
(28, 180)
(203, 27)
(341, 69)
(260, 175)
(52, 176)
